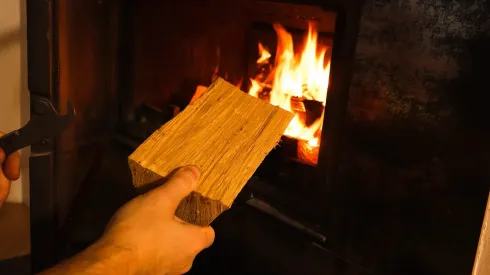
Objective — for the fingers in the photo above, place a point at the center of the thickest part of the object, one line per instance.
(208, 236)
(179, 186)
(9, 170)
(204, 235)
(199, 237)
(11, 166)
(4, 181)
(183, 267)
(4, 189)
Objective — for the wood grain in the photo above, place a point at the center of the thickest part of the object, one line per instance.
(482, 258)
(226, 133)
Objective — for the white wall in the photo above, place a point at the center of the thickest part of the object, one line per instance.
(14, 96)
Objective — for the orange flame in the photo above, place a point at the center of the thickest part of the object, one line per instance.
(264, 55)
(303, 76)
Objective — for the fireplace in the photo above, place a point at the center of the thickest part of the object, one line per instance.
(130, 67)
(172, 51)
(396, 187)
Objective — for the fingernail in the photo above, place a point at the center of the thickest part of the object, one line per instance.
(193, 170)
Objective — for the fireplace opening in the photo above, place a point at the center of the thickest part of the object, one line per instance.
(295, 80)
(283, 52)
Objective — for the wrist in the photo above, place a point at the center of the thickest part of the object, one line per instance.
(103, 257)
(110, 258)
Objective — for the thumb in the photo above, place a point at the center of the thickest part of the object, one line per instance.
(179, 186)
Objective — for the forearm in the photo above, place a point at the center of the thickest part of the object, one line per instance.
(100, 258)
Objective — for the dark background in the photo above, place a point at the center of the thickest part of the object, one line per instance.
(415, 173)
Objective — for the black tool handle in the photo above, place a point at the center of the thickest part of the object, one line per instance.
(11, 143)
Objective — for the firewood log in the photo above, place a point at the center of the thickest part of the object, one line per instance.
(226, 133)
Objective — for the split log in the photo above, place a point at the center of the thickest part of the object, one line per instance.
(226, 133)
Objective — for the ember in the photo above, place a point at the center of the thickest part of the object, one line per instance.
(293, 78)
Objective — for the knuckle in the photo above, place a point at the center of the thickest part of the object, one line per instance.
(209, 235)
(203, 238)
(186, 268)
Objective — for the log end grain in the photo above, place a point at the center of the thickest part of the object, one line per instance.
(200, 210)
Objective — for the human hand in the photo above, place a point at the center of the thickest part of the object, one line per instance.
(10, 170)
(159, 242)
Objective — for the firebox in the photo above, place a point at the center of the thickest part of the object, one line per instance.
(294, 55)
(131, 66)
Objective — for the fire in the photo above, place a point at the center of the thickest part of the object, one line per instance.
(292, 79)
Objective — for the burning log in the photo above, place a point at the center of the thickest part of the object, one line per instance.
(308, 151)
(297, 82)
(226, 133)
(314, 111)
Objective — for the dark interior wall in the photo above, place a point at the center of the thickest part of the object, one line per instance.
(179, 44)
(86, 34)
(409, 50)
(415, 169)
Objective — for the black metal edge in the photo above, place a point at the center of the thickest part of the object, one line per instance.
(266, 208)
(342, 67)
(38, 47)
(41, 77)
(43, 216)
(125, 59)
